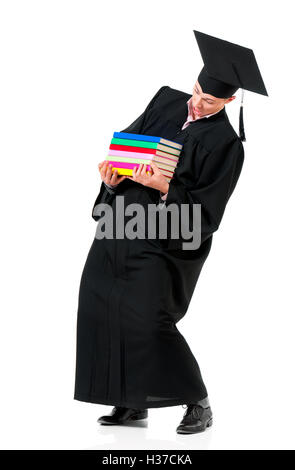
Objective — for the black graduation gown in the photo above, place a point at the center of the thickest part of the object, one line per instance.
(133, 292)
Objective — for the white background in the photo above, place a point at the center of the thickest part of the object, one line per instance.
(72, 72)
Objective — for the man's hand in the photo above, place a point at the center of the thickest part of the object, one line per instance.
(157, 180)
(107, 175)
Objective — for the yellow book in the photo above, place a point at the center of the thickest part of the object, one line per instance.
(126, 171)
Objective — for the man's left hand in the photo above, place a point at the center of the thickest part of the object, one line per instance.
(156, 180)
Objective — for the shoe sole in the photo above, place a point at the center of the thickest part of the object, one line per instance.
(131, 418)
(208, 425)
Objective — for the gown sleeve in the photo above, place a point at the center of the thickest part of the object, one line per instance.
(136, 127)
(212, 189)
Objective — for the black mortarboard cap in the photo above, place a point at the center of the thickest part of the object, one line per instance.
(228, 67)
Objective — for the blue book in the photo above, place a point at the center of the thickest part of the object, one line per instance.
(147, 138)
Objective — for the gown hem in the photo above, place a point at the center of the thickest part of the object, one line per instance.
(154, 404)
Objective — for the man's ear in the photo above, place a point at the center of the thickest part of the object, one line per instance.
(231, 98)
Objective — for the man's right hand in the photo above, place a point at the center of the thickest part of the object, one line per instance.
(107, 175)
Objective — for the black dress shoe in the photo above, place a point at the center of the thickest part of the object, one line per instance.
(196, 419)
(121, 415)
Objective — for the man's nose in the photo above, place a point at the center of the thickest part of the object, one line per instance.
(197, 103)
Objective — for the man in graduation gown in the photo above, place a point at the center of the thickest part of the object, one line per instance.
(130, 353)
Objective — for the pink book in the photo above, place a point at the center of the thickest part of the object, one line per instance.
(127, 165)
(121, 153)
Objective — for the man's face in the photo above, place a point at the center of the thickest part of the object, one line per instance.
(203, 103)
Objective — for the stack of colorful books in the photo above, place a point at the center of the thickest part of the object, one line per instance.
(127, 151)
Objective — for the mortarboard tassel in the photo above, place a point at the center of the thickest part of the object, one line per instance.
(241, 121)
